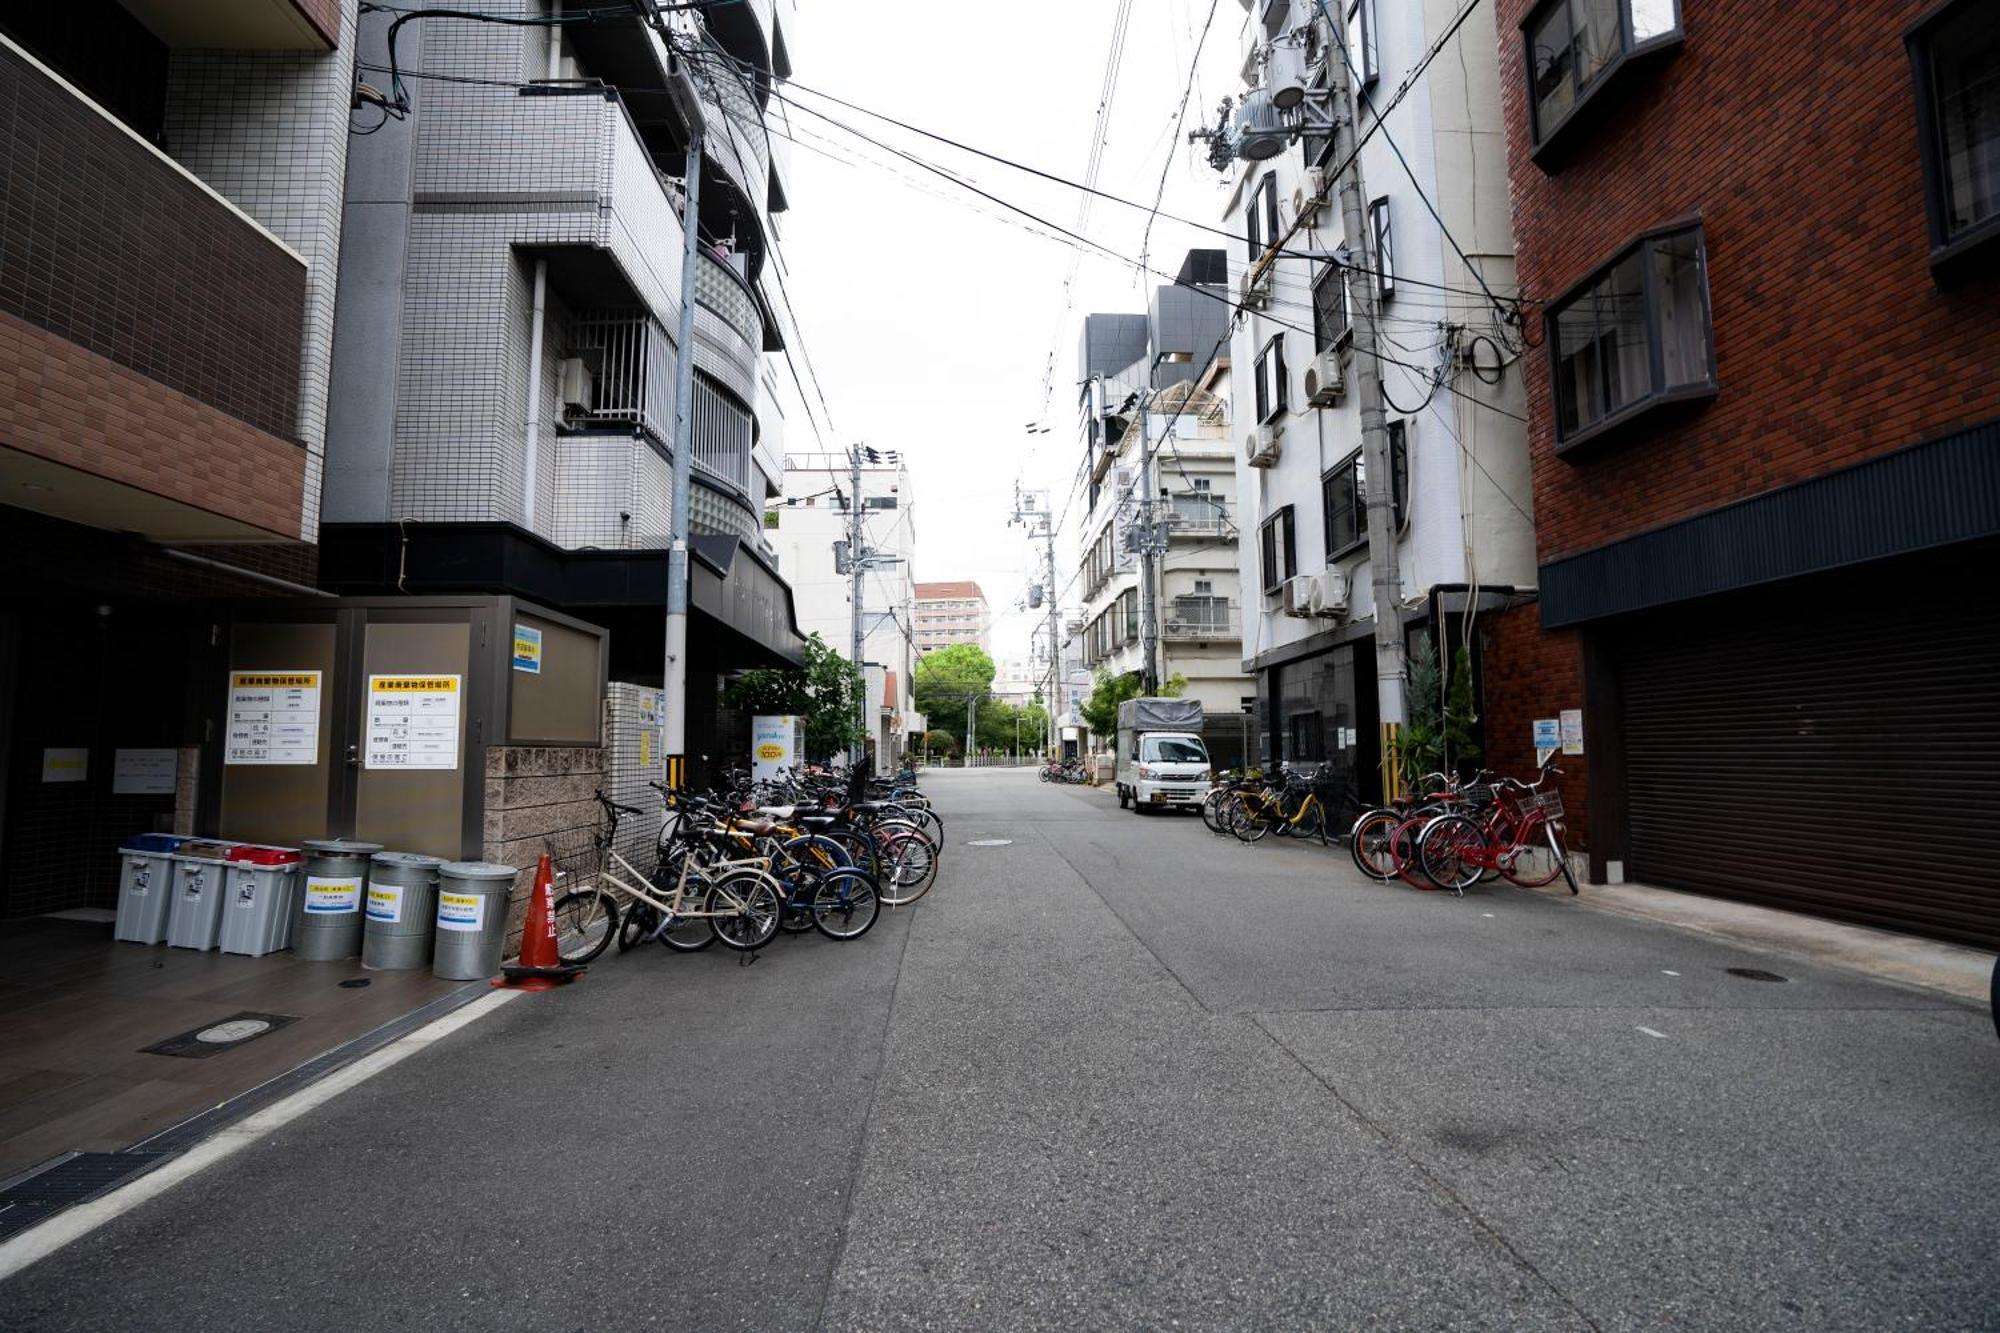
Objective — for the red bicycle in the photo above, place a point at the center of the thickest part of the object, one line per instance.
(1521, 838)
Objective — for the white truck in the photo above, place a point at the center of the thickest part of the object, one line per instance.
(1162, 762)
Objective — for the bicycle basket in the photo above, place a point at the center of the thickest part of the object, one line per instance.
(1552, 804)
(576, 854)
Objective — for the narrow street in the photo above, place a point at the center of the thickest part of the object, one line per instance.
(1118, 1073)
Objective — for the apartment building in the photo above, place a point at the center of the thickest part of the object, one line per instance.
(1766, 438)
(952, 612)
(804, 527)
(167, 273)
(1437, 257)
(1162, 378)
(505, 347)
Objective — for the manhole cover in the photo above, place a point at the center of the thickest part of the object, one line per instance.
(1753, 974)
(225, 1034)
(991, 842)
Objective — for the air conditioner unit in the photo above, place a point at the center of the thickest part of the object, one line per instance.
(1297, 596)
(1305, 205)
(1328, 596)
(573, 385)
(1255, 288)
(1260, 446)
(1176, 626)
(1326, 379)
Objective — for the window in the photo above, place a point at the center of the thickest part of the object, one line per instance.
(1955, 56)
(1273, 396)
(1634, 333)
(1576, 46)
(1279, 548)
(1199, 484)
(1203, 587)
(1361, 42)
(878, 502)
(1330, 323)
(1128, 609)
(1385, 253)
(1261, 218)
(1344, 496)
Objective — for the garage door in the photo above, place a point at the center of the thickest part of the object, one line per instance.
(1835, 751)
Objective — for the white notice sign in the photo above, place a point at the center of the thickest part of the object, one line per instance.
(143, 772)
(273, 718)
(464, 912)
(412, 722)
(1572, 730)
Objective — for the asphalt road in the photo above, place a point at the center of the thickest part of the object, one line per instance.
(1119, 1074)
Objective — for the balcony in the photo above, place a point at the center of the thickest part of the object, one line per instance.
(1190, 619)
(1197, 516)
(631, 388)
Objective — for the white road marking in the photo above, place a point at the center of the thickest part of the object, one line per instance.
(1486, 914)
(39, 1242)
(1649, 1032)
(1668, 972)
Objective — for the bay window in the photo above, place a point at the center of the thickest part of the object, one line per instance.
(1955, 59)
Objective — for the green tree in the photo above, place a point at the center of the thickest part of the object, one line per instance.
(1439, 735)
(946, 678)
(1107, 691)
(826, 691)
(941, 744)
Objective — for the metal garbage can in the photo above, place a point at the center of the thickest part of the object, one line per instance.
(257, 905)
(200, 868)
(471, 918)
(145, 886)
(402, 898)
(335, 874)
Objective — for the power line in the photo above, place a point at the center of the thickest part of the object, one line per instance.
(1173, 146)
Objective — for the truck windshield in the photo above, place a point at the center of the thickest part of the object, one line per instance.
(1172, 750)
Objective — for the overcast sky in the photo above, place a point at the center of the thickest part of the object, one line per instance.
(929, 313)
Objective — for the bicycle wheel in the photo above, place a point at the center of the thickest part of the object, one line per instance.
(909, 866)
(1452, 851)
(1247, 822)
(1210, 804)
(586, 920)
(1311, 824)
(1562, 856)
(747, 910)
(1532, 861)
(1403, 849)
(1368, 842)
(845, 904)
(636, 926)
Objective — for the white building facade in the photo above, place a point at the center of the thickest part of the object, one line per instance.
(804, 527)
(1447, 355)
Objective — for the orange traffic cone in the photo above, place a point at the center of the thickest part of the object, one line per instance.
(541, 966)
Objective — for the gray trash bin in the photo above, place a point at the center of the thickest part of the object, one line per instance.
(471, 918)
(402, 901)
(328, 924)
(145, 884)
(201, 870)
(257, 906)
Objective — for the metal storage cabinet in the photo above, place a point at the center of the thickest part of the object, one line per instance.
(145, 886)
(257, 910)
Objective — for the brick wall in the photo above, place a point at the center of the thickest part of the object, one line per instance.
(116, 251)
(536, 793)
(1792, 131)
(1530, 673)
(72, 406)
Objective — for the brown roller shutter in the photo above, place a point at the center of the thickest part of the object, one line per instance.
(1834, 750)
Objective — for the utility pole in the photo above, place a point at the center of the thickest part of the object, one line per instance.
(857, 567)
(1149, 627)
(674, 672)
(1381, 474)
(1026, 513)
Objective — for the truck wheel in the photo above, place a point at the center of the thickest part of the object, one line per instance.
(1123, 799)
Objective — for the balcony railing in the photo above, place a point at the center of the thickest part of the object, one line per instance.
(632, 372)
(1197, 516)
(1199, 618)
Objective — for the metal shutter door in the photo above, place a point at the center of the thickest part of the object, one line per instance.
(1838, 755)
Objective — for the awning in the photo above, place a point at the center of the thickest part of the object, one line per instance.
(743, 614)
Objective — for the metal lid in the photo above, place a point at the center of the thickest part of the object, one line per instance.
(263, 856)
(341, 847)
(479, 870)
(409, 860)
(207, 849)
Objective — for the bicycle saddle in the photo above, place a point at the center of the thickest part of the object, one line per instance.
(783, 813)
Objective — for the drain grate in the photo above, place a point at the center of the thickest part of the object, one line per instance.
(76, 1179)
(1754, 974)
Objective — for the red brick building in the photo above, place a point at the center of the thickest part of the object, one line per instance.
(1763, 247)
